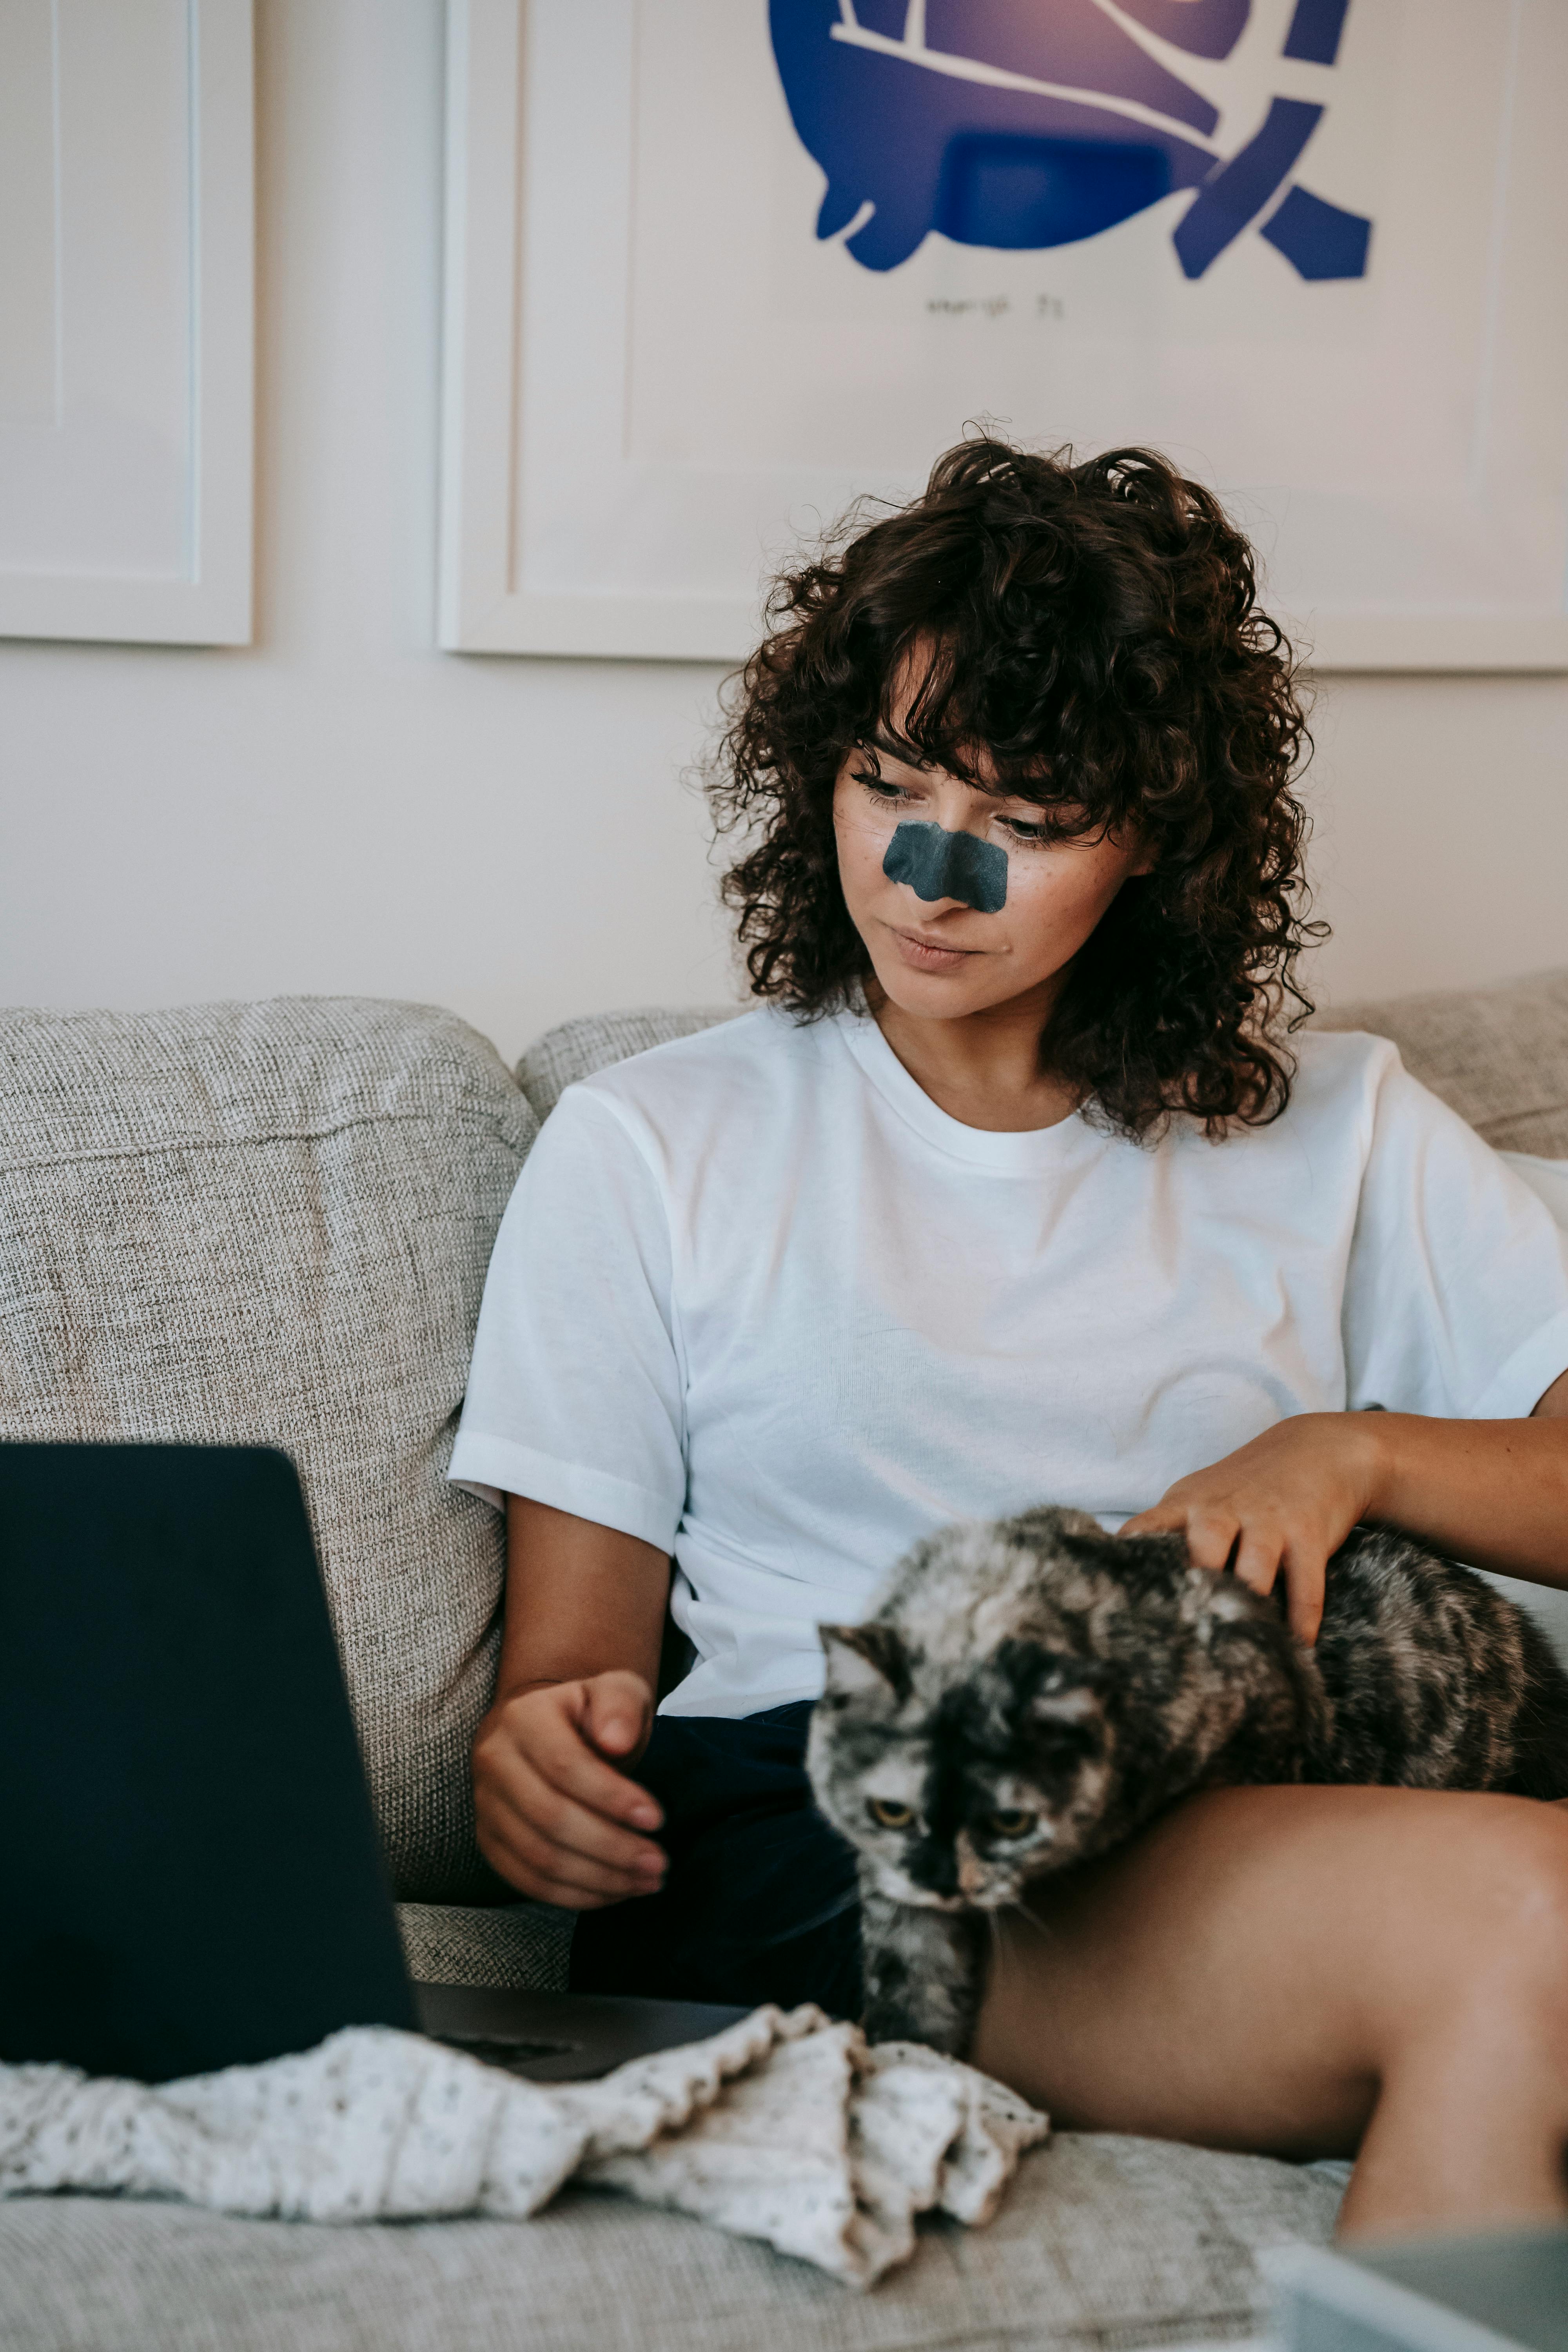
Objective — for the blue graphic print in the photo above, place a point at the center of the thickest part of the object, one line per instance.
(920, 111)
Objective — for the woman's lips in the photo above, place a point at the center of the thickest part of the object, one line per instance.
(923, 955)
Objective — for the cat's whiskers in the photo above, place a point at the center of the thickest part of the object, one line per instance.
(848, 1901)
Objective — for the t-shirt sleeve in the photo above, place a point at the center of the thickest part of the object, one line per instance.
(1457, 1291)
(576, 1393)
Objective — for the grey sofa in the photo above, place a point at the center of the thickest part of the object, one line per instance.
(271, 1223)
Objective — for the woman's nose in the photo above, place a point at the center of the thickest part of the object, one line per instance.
(941, 865)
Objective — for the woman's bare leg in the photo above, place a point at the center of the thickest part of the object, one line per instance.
(1311, 1971)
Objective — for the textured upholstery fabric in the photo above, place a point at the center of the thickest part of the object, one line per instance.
(524, 1946)
(1102, 2243)
(271, 1223)
(577, 1048)
(1497, 1056)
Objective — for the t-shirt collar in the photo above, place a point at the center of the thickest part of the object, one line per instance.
(1028, 1153)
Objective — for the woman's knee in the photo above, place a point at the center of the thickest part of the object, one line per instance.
(1511, 1873)
(1493, 1926)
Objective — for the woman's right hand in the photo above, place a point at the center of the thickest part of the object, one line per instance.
(553, 1815)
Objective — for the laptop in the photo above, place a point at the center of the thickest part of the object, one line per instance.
(190, 1876)
(1500, 2290)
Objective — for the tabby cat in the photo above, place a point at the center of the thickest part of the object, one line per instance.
(1032, 1690)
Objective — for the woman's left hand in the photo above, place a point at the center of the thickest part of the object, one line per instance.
(1281, 1503)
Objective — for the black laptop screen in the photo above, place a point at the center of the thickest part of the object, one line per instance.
(189, 1871)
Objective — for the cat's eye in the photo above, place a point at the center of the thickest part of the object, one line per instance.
(889, 1815)
(1012, 1822)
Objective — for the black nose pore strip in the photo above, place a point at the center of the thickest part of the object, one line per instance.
(937, 865)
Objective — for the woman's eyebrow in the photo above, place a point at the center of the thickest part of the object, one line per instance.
(887, 750)
(879, 742)
(890, 750)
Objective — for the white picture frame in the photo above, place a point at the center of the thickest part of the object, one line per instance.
(558, 509)
(126, 409)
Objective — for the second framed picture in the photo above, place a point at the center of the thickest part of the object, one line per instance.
(716, 267)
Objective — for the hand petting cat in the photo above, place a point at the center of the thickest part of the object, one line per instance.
(1494, 1492)
(1281, 1503)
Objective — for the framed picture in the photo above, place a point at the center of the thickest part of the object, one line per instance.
(126, 278)
(715, 268)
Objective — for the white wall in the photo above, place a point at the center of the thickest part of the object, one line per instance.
(341, 808)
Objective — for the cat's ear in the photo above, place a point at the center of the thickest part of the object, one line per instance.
(865, 1659)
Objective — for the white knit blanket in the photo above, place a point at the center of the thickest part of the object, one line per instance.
(784, 2127)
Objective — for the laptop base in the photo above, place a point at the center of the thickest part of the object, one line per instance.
(562, 2037)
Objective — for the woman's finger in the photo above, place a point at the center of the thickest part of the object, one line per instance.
(530, 1869)
(523, 1843)
(616, 1711)
(560, 1754)
(541, 1887)
(1211, 1538)
(529, 1798)
(1258, 1559)
(1163, 1519)
(1306, 1582)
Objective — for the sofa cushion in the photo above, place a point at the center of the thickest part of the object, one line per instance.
(1103, 2242)
(270, 1223)
(576, 1049)
(512, 1946)
(1497, 1056)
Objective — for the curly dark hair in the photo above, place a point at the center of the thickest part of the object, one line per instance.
(1085, 636)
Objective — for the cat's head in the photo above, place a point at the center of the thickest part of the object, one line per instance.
(960, 1784)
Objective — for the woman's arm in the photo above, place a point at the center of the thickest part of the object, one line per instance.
(585, 1616)
(1494, 1492)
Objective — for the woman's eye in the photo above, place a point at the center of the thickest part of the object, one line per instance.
(888, 1816)
(1011, 1824)
(879, 786)
(1028, 833)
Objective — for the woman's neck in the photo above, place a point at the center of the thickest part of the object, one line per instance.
(984, 1069)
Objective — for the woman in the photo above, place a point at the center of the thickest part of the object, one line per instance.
(1011, 1192)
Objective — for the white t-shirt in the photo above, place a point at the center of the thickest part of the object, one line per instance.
(758, 1301)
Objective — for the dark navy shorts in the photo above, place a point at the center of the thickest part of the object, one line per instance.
(759, 1902)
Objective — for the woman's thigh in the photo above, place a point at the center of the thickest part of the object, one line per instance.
(1239, 1974)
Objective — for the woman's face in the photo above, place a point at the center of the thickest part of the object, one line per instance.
(941, 958)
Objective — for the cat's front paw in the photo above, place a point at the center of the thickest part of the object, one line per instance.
(940, 2014)
(923, 1975)
(891, 2015)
